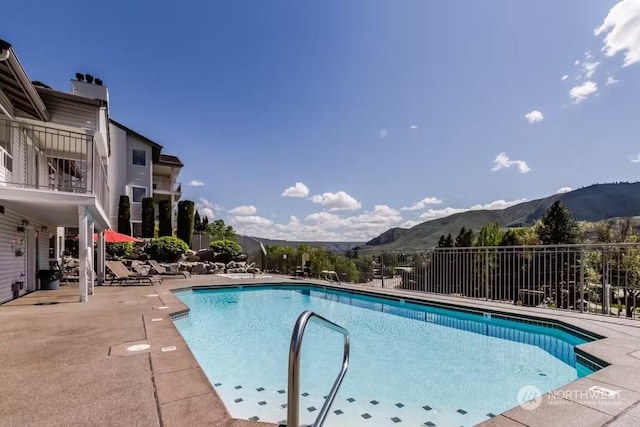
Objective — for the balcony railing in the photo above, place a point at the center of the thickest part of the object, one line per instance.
(47, 158)
(165, 185)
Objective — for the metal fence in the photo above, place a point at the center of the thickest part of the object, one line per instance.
(601, 279)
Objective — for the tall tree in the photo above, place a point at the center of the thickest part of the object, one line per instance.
(490, 235)
(124, 215)
(197, 222)
(186, 210)
(465, 238)
(558, 226)
(148, 213)
(165, 228)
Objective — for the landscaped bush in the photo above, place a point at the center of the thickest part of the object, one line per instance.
(124, 215)
(119, 250)
(164, 218)
(186, 219)
(148, 213)
(226, 250)
(167, 248)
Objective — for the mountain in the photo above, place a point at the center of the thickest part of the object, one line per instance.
(593, 203)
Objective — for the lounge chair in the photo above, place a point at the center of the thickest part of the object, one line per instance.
(121, 274)
(164, 272)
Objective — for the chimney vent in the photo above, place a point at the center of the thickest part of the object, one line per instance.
(89, 78)
(99, 82)
(80, 76)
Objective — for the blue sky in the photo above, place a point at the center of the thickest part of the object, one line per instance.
(387, 113)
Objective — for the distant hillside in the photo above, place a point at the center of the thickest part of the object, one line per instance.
(251, 245)
(593, 203)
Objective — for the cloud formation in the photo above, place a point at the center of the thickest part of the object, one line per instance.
(206, 208)
(582, 92)
(635, 159)
(565, 77)
(196, 183)
(622, 29)
(383, 133)
(422, 204)
(413, 127)
(534, 116)
(297, 190)
(563, 190)
(611, 80)
(243, 210)
(502, 161)
(337, 201)
(495, 205)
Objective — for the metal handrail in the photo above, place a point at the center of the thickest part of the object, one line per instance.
(293, 397)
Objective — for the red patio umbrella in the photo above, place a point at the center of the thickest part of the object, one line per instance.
(111, 236)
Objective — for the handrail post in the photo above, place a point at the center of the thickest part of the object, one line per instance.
(293, 397)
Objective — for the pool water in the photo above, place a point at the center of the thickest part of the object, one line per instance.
(410, 365)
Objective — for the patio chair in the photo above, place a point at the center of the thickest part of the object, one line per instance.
(121, 274)
(162, 271)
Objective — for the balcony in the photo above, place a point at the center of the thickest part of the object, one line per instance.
(165, 186)
(47, 158)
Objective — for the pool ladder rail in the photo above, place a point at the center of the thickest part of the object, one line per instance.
(293, 394)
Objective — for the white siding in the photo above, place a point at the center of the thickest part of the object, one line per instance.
(117, 171)
(139, 176)
(66, 112)
(11, 266)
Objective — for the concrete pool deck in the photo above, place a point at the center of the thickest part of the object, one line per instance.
(68, 363)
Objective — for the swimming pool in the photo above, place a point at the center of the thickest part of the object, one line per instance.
(410, 364)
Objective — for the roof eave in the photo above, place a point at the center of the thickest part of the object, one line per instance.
(22, 78)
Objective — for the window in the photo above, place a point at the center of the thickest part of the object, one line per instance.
(137, 229)
(138, 194)
(139, 157)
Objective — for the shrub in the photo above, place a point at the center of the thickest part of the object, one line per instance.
(227, 248)
(119, 250)
(167, 248)
(148, 211)
(164, 218)
(186, 209)
(124, 215)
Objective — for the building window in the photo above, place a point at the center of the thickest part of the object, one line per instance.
(138, 193)
(139, 157)
(136, 229)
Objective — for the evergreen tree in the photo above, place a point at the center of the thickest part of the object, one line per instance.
(465, 238)
(197, 222)
(124, 216)
(558, 226)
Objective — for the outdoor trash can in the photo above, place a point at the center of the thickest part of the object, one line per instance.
(49, 279)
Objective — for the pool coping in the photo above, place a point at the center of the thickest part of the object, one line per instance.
(618, 347)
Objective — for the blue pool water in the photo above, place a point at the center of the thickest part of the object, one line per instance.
(410, 365)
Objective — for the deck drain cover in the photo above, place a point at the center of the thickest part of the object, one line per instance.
(164, 307)
(170, 348)
(138, 347)
(150, 295)
(157, 319)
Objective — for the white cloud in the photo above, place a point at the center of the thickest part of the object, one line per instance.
(422, 204)
(582, 92)
(409, 224)
(534, 116)
(495, 205)
(622, 29)
(206, 208)
(196, 183)
(611, 80)
(384, 132)
(337, 201)
(563, 190)
(414, 127)
(635, 159)
(589, 68)
(243, 210)
(251, 220)
(577, 62)
(297, 190)
(502, 161)
(565, 77)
